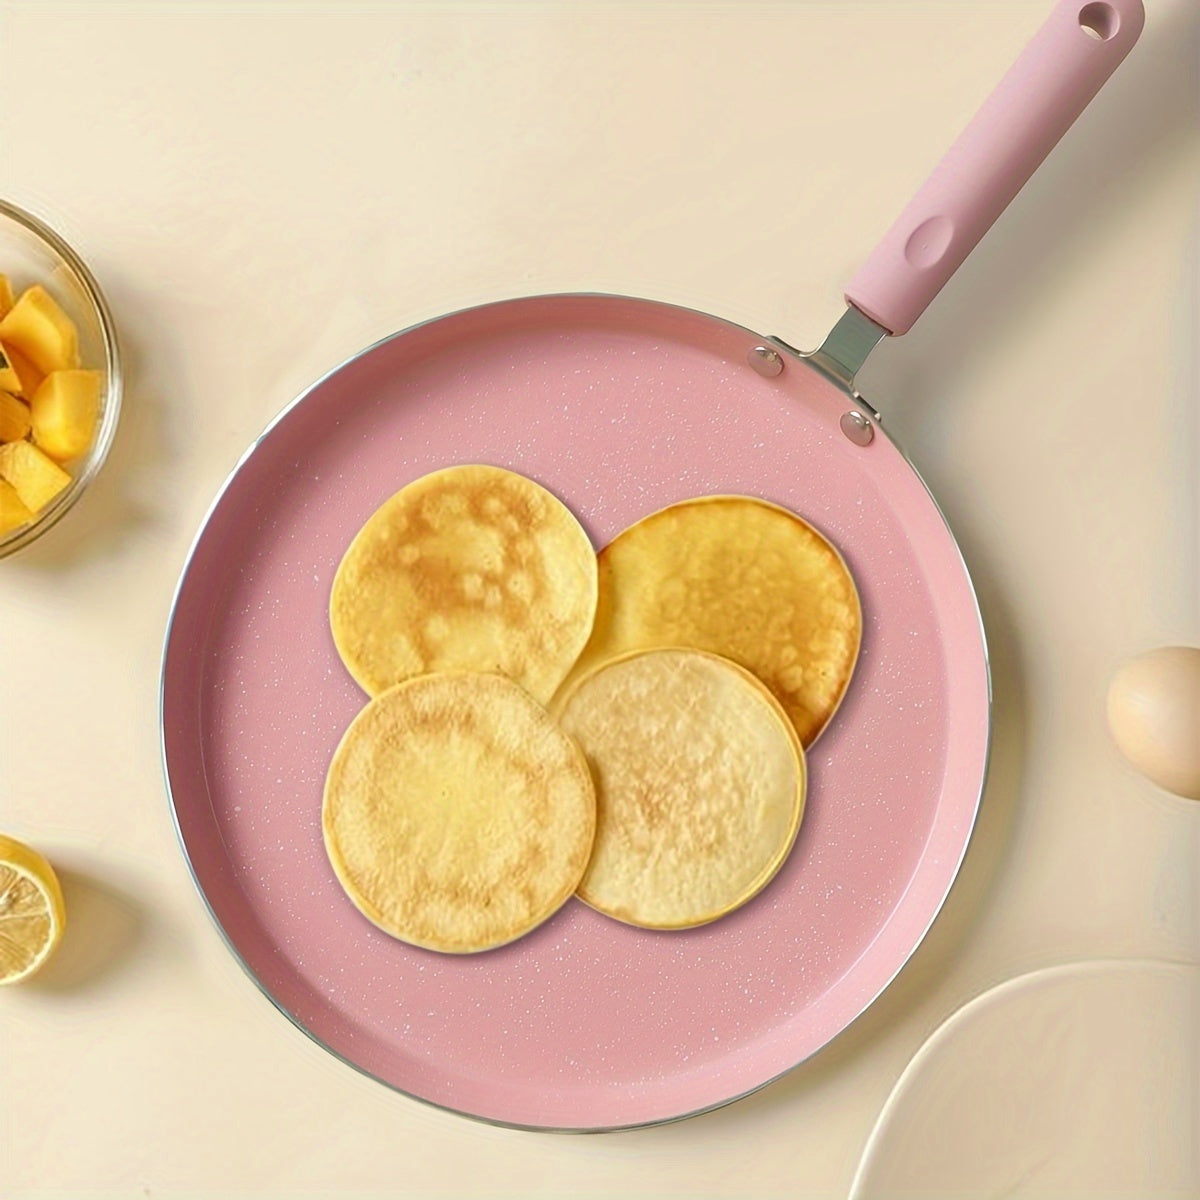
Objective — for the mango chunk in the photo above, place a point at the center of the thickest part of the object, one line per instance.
(39, 329)
(13, 510)
(28, 377)
(64, 413)
(10, 381)
(36, 478)
(15, 420)
(6, 295)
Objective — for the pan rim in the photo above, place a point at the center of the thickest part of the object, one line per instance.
(182, 580)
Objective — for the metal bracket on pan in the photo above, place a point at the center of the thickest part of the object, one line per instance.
(843, 352)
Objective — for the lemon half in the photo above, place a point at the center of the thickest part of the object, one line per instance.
(32, 913)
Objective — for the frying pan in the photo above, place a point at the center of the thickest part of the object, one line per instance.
(620, 406)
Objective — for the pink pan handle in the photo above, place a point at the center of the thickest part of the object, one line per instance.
(1052, 82)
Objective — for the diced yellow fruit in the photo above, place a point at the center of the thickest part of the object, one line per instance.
(64, 411)
(13, 510)
(10, 381)
(29, 378)
(40, 330)
(6, 295)
(37, 478)
(14, 418)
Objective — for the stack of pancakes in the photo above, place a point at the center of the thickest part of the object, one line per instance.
(545, 721)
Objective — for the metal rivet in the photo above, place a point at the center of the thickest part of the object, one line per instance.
(857, 427)
(765, 361)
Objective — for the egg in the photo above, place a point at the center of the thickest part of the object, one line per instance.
(1154, 716)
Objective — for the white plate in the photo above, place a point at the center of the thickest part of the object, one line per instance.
(1080, 1080)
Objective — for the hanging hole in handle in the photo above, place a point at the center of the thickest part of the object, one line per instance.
(1099, 21)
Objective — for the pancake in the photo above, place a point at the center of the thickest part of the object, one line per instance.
(457, 815)
(469, 568)
(700, 784)
(741, 578)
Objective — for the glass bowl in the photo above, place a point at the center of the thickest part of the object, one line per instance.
(31, 252)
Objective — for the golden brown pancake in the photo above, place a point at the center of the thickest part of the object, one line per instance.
(744, 579)
(700, 783)
(470, 568)
(457, 815)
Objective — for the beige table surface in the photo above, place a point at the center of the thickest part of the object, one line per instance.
(264, 189)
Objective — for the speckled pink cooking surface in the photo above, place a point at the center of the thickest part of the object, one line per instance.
(619, 407)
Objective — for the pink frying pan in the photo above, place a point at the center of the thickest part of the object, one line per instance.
(619, 406)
